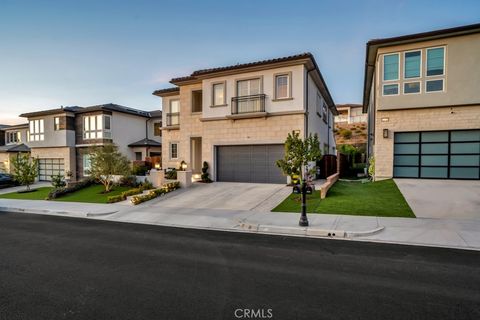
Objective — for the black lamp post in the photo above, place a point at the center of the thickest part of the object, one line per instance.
(303, 217)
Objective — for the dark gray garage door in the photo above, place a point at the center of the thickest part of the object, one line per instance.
(437, 154)
(250, 163)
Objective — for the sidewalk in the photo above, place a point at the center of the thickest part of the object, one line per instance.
(453, 233)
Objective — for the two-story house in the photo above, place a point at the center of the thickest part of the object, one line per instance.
(13, 139)
(422, 94)
(60, 138)
(236, 118)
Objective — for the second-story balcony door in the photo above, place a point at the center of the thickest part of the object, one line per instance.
(249, 88)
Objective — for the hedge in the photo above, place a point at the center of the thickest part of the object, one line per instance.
(56, 193)
(152, 194)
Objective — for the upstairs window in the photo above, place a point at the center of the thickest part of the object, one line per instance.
(13, 137)
(97, 127)
(37, 130)
(218, 94)
(412, 64)
(318, 105)
(56, 123)
(197, 101)
(282, 86)
(435, 61)
(157, 129)
(324, 112)
(390, 67)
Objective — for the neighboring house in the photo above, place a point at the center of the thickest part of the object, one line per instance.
(423, 100)
(351, 126)
(237, 118)
(60, 138)
(13, 140)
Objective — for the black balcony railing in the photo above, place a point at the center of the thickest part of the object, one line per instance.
(248, 104)
(173, 119)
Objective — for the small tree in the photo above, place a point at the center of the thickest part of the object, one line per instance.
(58, 181)
(298, 153)
(25, 169)
(105, 162)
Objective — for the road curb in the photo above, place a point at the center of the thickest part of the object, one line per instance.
(353, 234)
(55, 212)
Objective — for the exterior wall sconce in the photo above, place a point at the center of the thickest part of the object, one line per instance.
(385, 133)
(183, 165)
(157, 165)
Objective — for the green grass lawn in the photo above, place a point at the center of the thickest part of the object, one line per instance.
(91, 194)
(381, 198)
(38, 194)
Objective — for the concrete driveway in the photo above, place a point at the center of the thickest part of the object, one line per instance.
(442, 198)
(228, 196)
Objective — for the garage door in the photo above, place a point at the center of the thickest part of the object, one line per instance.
(437, 154)
(250, 163)
(49, 167)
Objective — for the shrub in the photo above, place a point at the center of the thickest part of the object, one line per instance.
(139, 169)
(146, 185)
(128, 181)
(132, 192)
(345, 133)
(56, 193)
(205, 175)
(166, 188)
(371, 167)
(58, 181)
(118, 198)
(171, 174)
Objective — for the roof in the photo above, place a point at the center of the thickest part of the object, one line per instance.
(374, 44)
(15, 148)
(348, 105)
(156, 114)
(100, 107)
(15, 126)
(145, 143)
(305, 57)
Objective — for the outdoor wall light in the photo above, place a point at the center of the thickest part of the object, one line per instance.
(385, 133)
(157, 165)
(183, 165)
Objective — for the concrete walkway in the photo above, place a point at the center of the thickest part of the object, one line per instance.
(455, 233)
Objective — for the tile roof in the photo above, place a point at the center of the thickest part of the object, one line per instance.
(15, 148)
(145, 143)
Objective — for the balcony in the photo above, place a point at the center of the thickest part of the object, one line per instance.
(173, 119)
(248, 104)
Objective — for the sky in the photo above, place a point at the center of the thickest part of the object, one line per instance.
(84, 53)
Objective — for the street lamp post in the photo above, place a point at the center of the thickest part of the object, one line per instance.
(303, 217)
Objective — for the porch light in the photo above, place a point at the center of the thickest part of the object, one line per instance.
(157, 165)
(183, 165)
(385, 133)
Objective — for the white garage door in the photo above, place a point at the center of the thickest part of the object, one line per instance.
(50, 167)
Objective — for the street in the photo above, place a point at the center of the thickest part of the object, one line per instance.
(68, 268)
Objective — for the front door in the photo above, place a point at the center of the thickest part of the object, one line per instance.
(196, 154)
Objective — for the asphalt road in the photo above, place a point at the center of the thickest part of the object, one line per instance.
(65, 268)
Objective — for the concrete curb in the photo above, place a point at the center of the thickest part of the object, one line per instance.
(353, 234)
(55, 212)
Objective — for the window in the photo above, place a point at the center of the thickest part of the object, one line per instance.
(37, 130)
(218, 94)
(97, 127)
(434, 85)
(157, 129)
(173, 117)
(324, 112)
(282, 86)
(197, 101)
(138, 156)
(248, 87)
(390, 67)
(56, 123)
(435, 61)
(87, 165)
(173, 150)
(411, 87)
(412, 64)
(390, 89)
(13, 137)
(318, 105)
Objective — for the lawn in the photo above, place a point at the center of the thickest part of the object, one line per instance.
(91, 194)
(381, 198)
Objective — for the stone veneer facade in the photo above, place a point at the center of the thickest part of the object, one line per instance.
(423, 119)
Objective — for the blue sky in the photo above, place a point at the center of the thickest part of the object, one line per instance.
(83, 53)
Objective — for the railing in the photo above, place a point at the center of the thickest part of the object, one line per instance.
(248, 104)
(173, 119)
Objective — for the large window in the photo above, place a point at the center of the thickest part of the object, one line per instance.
(197, 101)
(218, 94)
(174, 150)
(435, 61)
(37, 130)
(412, 64)
(282, 86)
(97, 127)
(390, 67)
(13, 137)
(87, 165)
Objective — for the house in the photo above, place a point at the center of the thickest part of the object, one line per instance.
(13, 140)
(351, 126)
(421, 92)
(60, 138)
(236, 118)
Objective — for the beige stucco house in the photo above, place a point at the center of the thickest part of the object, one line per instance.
(60, 138)
(422, 95)
(237, 118)
(13, 140)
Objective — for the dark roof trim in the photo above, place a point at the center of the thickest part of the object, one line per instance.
(373, 45)
(145, 143)
(15, 148)
(49, 112)
(80, 110)
(167, 91)
(15, 126)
